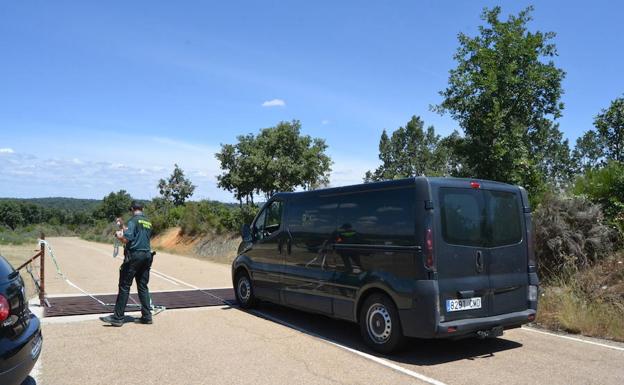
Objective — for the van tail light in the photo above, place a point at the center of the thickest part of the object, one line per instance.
(5, 309)
(530, 241)
(475, 185)
(429, 259)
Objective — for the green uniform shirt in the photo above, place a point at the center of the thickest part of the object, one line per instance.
(138, 233)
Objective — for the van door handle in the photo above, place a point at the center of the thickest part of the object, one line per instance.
(479, 261)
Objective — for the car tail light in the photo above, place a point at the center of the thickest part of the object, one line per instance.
(429, 259)
(475, 185)
(5, 309)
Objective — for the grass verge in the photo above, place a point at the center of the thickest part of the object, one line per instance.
(590, 302)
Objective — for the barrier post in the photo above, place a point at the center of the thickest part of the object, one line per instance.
(42, 273)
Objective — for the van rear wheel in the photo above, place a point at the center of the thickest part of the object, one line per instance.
(244, 291)
(380, 325)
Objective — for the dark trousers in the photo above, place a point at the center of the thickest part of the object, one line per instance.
(136, 266)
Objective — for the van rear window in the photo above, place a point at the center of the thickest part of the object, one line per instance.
(480, 217)
(462, 217)
(503, 218)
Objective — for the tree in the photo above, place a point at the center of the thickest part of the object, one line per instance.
(10, 214)
(177, 188)
(505, 95)
(606, 187)
(114, 205)
(277, 159)
(411, 151)
(588, 152)
(610, 126)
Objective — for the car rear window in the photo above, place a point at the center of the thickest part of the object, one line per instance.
(480, 217)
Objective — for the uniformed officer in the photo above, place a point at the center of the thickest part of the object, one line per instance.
(136, 265)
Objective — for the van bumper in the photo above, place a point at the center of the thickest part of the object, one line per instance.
(410, 319)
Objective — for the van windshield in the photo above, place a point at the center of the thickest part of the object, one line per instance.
(480, 217)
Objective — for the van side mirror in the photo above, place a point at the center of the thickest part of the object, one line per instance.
(246, 233)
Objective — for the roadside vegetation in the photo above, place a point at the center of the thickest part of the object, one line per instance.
(505, 95)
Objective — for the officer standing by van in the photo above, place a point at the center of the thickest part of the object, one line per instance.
(137, 263)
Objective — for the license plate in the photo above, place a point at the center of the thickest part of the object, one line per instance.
(36, 348)
(463, 304)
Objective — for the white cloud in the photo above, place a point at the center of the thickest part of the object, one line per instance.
(24, 175)
(349, 170)
(274, 103)
(6, 150)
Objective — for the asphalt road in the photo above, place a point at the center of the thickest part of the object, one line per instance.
(275, 345)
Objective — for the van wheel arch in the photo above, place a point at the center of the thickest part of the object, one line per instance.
(240, 269)
(367, 293)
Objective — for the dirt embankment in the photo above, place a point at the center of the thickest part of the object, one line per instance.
(219, 248)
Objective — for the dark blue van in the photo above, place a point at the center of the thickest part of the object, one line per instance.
(419, 257)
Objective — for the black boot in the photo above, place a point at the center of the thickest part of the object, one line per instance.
(111, 319)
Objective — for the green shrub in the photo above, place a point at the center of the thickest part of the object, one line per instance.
(606, 187)
(570, 234)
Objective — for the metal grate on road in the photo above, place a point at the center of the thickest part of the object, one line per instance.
(79, 305)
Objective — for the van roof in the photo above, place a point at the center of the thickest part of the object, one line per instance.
(439, 181)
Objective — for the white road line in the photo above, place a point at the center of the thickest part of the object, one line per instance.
(573, 339)
(154, 272)
(367, 356)
(175, 279)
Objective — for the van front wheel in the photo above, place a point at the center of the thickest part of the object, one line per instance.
(244, 291)
(380, 325)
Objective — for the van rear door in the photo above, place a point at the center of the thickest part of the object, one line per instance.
(480, 250)
(461, 258)
(507, 250)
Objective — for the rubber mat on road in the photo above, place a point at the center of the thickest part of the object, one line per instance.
(78, 305)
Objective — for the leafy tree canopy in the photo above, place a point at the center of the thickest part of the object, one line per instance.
(610, 126)
(504, 93)
(177, 188)
(277, 159)
(606, 143)
(413, 151)
(114, 205)
(588, 152)
(606, 187)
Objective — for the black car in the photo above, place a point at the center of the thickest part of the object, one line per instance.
(419, 257)
(20, 332)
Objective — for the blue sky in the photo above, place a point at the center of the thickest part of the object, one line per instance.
(98, 96)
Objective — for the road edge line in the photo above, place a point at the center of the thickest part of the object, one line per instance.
(368, 356)
(572, 338)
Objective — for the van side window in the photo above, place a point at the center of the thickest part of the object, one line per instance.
(313, 217)
(269, 220)
(382, 217)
